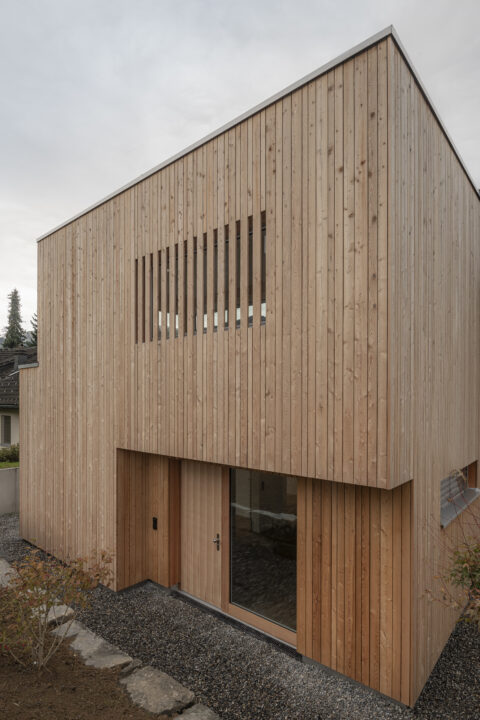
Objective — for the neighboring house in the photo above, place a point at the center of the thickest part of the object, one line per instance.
(9, 391)
(259, 361)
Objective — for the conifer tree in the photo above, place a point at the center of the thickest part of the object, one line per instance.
(34, 332)
(14, 332)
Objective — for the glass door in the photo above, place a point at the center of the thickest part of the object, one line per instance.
(263, 545)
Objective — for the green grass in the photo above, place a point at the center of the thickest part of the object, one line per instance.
(4, 465)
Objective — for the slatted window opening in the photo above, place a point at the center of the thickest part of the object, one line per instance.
(226, 276)
(205, 304)
(237, 274)
(167, 288)
(167, 295)
(143, 298)
(194, 285)
(176, 290)
(185, 288)
(215, 280)
(150, 298)
(159, 294)
(457, 491)
(136, 300)
(263, 270)
(250, 271)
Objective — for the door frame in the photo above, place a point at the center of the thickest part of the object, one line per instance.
(235, 611)
(245, 616)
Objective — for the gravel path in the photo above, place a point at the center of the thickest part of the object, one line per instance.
(242, 676)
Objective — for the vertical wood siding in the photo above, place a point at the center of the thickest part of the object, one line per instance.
(148, 486)
(434, 340)
(306, 392)
(353, 570)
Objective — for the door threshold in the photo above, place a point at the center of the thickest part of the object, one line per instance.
(231, 619)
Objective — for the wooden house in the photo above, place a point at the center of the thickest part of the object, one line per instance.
(259, 361)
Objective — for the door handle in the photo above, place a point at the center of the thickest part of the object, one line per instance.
(216, 541)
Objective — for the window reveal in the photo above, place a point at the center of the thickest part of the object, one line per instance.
(237, 274)
(167, 288)
(176, 290)
(215, 281)
(263, 270)
(205, 282)
(159, 294)
(250, 271)
(185, 287)
(194, 285)
(150, 299)
(226, 277)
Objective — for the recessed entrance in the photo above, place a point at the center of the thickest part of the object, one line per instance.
(238, 544)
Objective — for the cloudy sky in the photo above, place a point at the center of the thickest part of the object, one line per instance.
(95, 92)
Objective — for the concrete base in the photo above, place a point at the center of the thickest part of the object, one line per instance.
(9, 492)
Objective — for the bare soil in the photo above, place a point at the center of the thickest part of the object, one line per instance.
(66, 690)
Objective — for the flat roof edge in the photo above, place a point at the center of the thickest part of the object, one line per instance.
(338, 60)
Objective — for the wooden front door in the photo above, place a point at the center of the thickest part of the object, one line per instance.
(201, 522)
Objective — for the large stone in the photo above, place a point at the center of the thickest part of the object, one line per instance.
(69, 629)
(157, 692)
(6, 572)
(57, 614)
(199, 712)
(93, 650)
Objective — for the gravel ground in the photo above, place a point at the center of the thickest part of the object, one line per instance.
(243, 676)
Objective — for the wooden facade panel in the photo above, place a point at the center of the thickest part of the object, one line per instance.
(201, 520)
(370, 616)
(147, 488)
(298, 401)
(434, 342)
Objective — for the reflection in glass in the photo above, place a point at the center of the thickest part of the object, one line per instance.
(263, 544)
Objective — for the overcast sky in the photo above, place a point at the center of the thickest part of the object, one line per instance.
(96, 92)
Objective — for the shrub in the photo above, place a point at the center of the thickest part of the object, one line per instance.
(10, 453)
(459, 574)
(465, 573)
(35, 587)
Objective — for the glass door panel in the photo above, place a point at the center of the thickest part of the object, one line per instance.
(263, 545)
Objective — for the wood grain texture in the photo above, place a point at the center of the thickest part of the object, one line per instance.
(298, 394)
(371, 619)
(148, 486)
(201, 490)
(434, 344)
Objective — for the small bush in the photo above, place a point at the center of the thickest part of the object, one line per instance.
(34, 589)
(10, 453)
(465, 573)
(459, 576)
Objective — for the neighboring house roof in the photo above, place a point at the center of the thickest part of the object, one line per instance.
(9, 375)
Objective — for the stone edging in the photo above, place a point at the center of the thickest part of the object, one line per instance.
(151, 689)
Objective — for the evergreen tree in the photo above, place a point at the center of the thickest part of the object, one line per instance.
(33, 335)
(15, 334)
